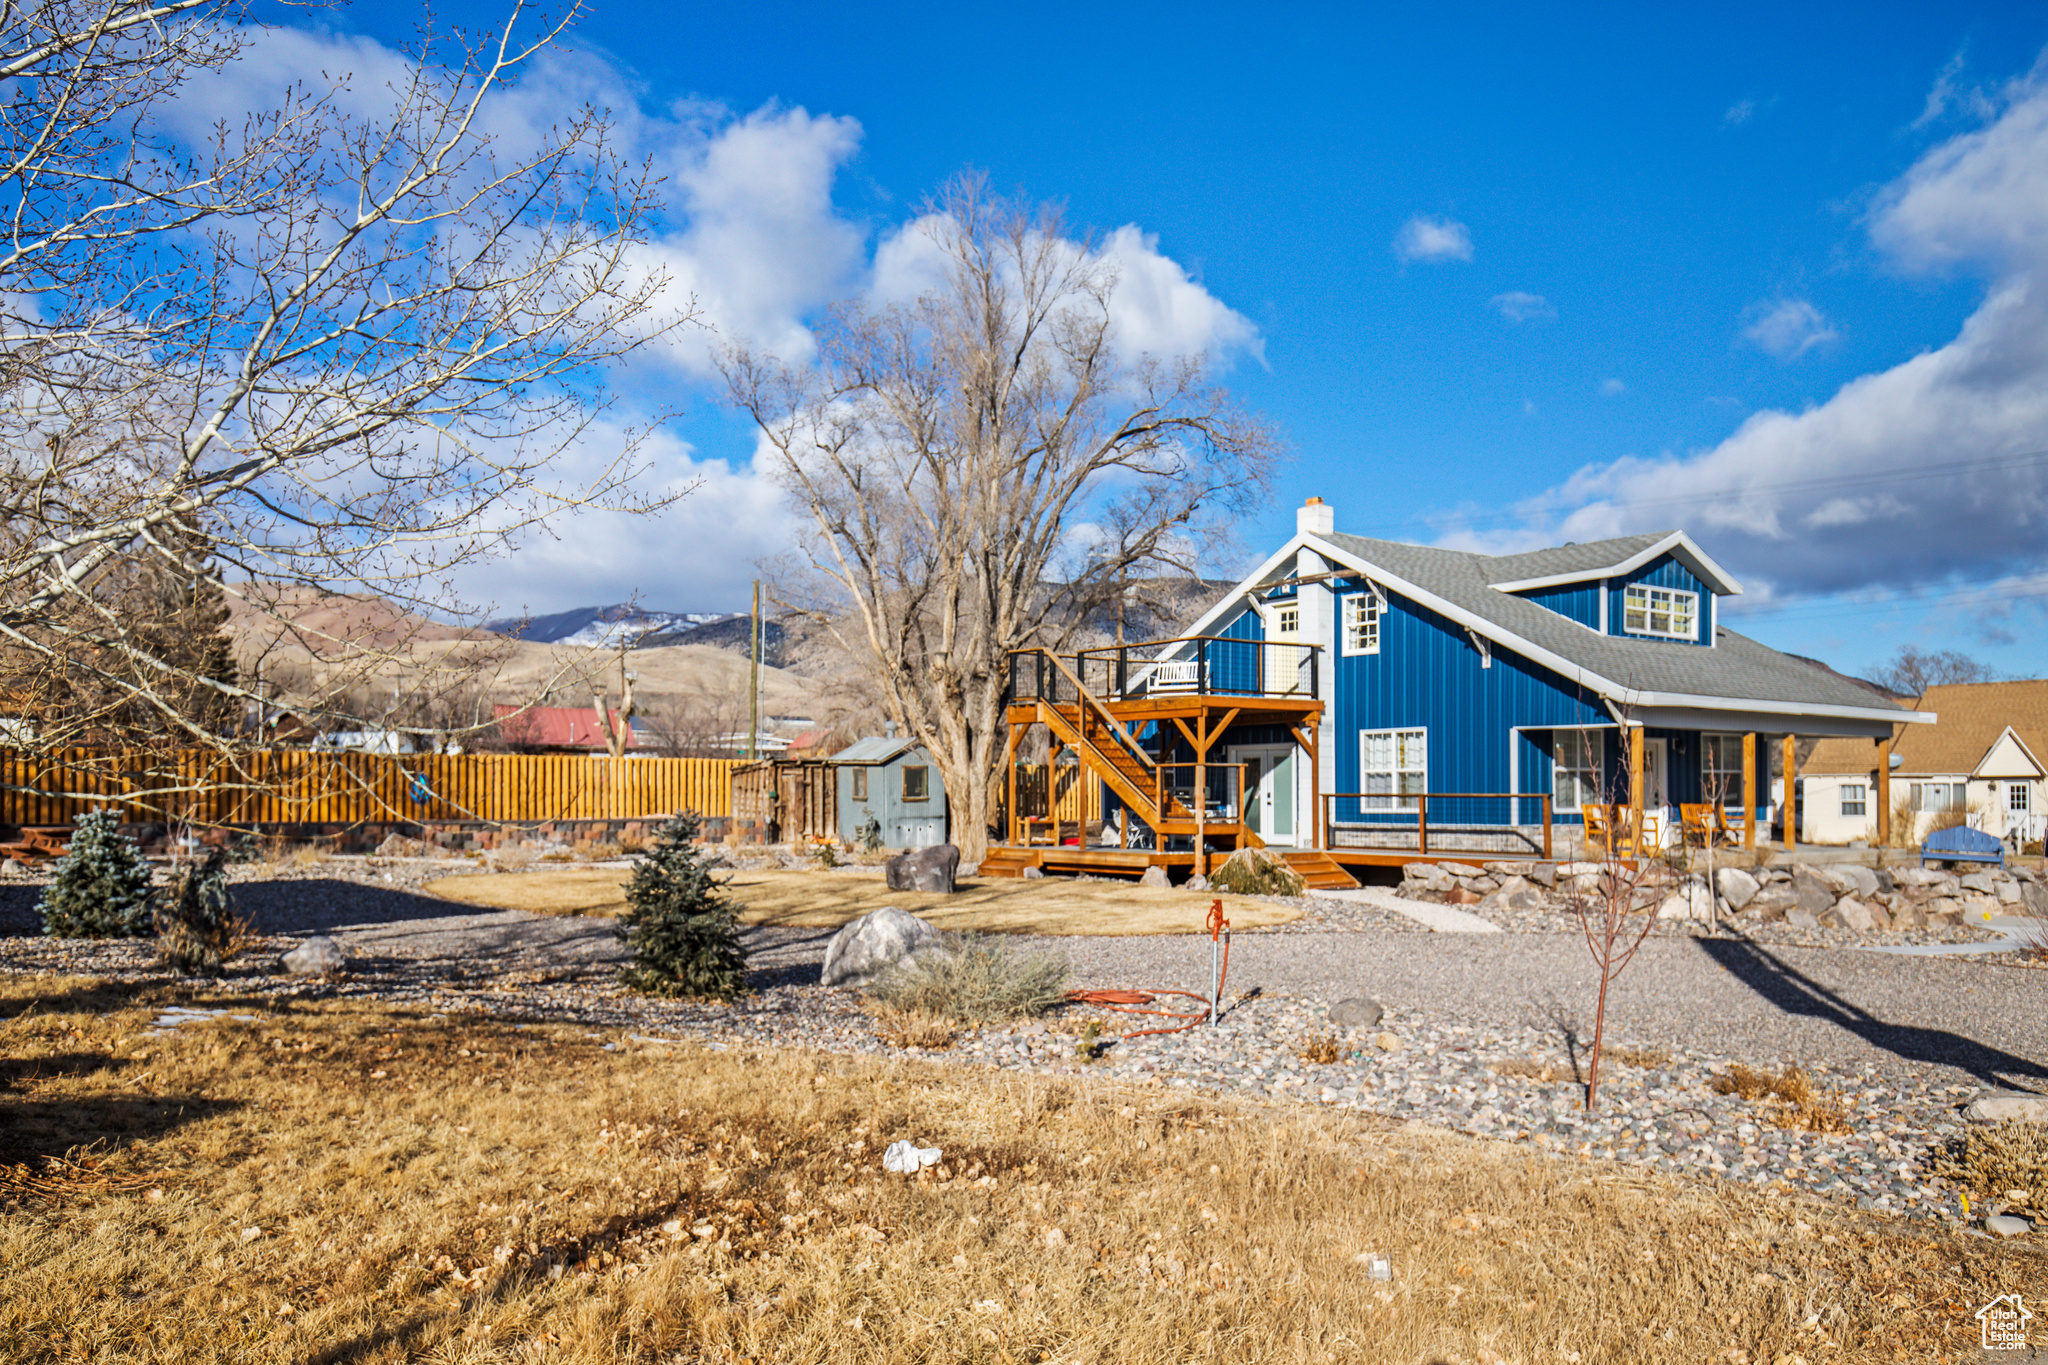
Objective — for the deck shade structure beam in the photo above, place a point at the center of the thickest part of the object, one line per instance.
(1749, 791)
(1884, 793)
(1790, 807)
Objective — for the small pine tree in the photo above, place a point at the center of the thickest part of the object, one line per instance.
(195, 920)
(681, 928)
(101, 888)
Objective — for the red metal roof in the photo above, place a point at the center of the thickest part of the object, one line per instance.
(557, 727)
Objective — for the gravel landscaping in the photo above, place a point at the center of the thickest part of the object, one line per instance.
(1485, 1034)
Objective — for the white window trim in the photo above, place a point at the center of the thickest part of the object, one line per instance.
(1379, 606)
(1861, 800)
(2024, 791)
(1649, 591)
(1272, 611)
(1365, 738)
(1595, 740)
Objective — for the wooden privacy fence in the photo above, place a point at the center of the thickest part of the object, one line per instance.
(296, 787)
(800, 797)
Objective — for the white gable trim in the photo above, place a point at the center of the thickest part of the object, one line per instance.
(1677, 543)
(2018, 743)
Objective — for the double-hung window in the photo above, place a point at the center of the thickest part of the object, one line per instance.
(1855, 797)
(1394, 768)
(1362, 623)
(1575, 769)
(1670, 612)
(1721, 769)
(2017, 797)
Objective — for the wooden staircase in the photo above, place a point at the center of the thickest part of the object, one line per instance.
(1126, 770)
(1318, 870)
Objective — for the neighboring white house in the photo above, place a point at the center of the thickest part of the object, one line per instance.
(1983, 759)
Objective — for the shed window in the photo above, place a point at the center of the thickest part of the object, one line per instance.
(1669, 612)
(860, 784)
(1395, 768)
(916, 782)
(1362, 623)
(1854, 798)
(1575, 769)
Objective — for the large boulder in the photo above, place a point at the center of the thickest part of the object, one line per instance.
(1737, 887)
(1155, 876)
(1979, 882)
(1917, 876)
(1998, 1107)
(923, 869)
(1357, 1012)
(316, 956)
(1426, 877)
(1691, 901)
(1851, 913)
(865, 948)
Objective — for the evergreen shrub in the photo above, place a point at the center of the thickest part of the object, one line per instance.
(195, 918)
(679, 924)
(101, 887)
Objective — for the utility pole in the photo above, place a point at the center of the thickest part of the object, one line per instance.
(754, 679)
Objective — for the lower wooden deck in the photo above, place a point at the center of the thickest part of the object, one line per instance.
(1010, 861)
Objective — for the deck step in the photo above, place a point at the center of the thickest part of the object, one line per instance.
(1318, 870)
(1008, 862)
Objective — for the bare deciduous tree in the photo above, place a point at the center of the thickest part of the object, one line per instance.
(981, 467)
(1617, 915)
(1911, 671)
(334, 349)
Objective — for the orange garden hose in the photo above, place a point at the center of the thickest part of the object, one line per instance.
(1128, 1001)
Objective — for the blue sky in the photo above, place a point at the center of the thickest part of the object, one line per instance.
(1503, 278)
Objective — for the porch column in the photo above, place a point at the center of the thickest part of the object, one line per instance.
(1010, 771)
(1884, 792)
(1749, 791)
(1791, 810)
(1201, 794)
(1635, 785)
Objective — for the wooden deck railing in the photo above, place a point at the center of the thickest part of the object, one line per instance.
(298, 787)
(1406, 825)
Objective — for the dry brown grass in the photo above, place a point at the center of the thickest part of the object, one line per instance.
(914, 1028)
(826, 900)
(1321, 1050)
(2006, 1162)
(1789, 1099)
(347, 1183)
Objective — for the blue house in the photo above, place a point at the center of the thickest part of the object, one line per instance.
(1375, 701)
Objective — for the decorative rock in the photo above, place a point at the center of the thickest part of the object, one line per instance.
(1196, 883)
(1462, 895)
(1427, 875)
(1863, 881)
(2007, 1225)
(2007, 891)
(1578, 870)
(1460, 870)
(2035, 897)
(316, 956)
(923, 869)
(1357, 1012)
(1543, 874)
(865, 948)
(1033, 874)
(1387, 1042)
(1917, 876)
(1997, 1108)
(1737, 887)
(1880, 918)
(1690, 902)
(1815, 896)
(1799, 917)
(1155, 876)
(1854, 914)
(1979, 882)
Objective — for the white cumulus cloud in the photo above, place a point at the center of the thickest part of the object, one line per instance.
(1930, 472)
(1787, 328)
(1517, 306)
(1422, 238)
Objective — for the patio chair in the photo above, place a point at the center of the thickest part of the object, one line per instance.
(1700, 824)
(1609, 830)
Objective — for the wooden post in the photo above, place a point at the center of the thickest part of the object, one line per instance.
(1749, 791)
(1010, 768)
(1315, 796)
(1791, 809)
(1883, 792)
(1635, 788)
(1201, 793)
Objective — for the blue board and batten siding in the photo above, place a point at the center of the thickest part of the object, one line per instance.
(1428, 676)
(1574, 601)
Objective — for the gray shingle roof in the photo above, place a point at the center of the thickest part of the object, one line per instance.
(1737, 668)
(1588, 557)
(874, 749)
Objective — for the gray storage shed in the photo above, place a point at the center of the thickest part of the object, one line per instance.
(896, 781)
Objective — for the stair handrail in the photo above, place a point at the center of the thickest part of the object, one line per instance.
(1088, 698)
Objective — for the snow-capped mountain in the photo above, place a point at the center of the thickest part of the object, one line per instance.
(590, 627)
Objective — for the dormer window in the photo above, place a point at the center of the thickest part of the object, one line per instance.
(1670, 612)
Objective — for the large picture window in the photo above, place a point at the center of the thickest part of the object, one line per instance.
(1362, 623)
(1940, 798)
(1575, 769)
(1394, 768)
(1670, 612)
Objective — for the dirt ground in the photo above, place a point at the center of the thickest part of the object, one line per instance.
(826, 900)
